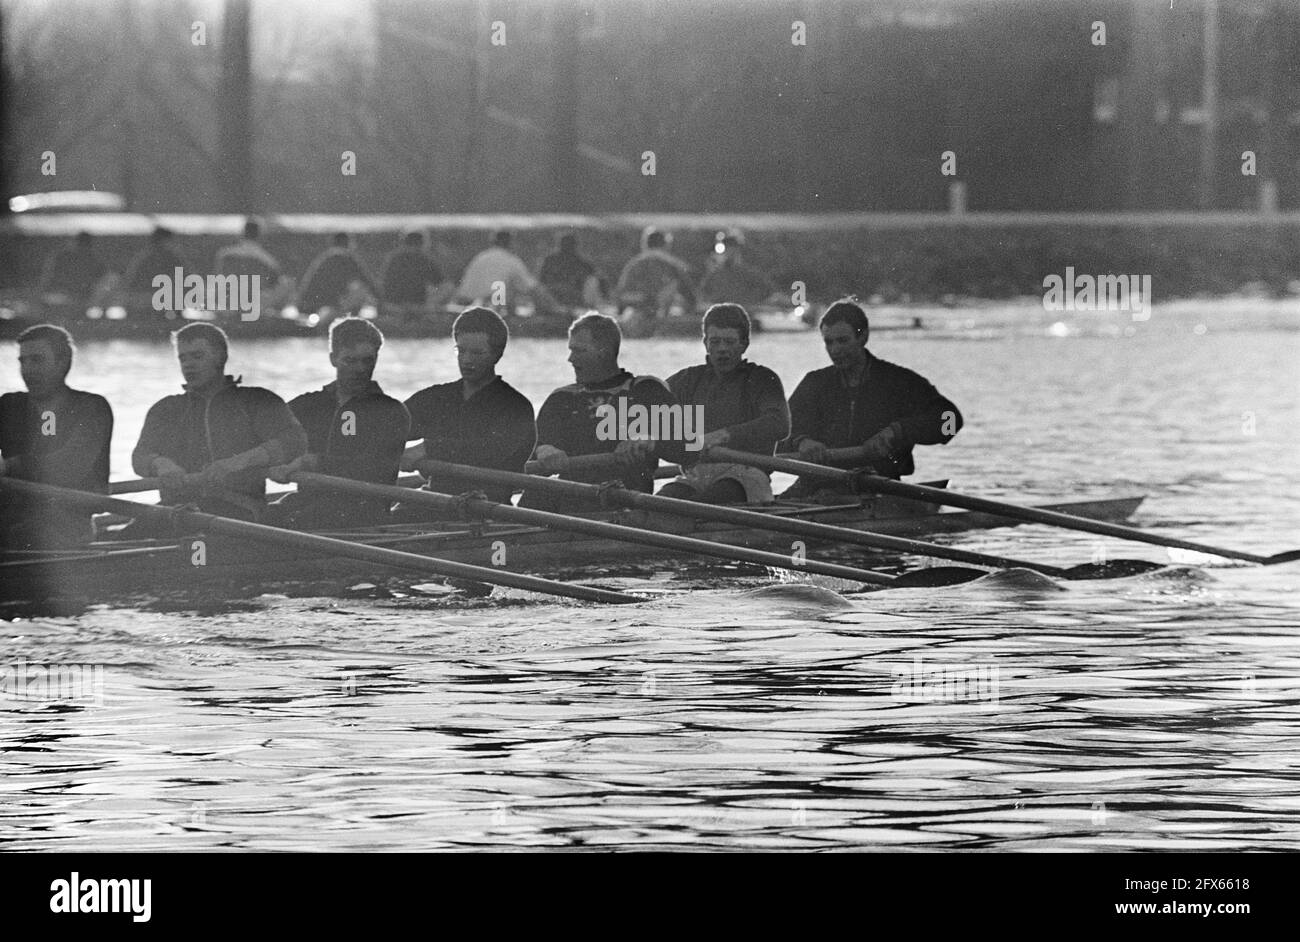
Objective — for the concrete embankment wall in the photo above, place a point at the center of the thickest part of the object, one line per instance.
(924, 256)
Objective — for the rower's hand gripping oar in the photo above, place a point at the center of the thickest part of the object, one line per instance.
(948, 498)
(212, 523)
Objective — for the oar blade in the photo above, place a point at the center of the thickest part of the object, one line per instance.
(1287, 557)
(1112, 569)
(933, 577)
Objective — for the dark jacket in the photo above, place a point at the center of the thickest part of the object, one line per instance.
(824, 409)
(361, 439)
(406, 275)
(568, 420)
(194, 431)
(749, 402)
(565, 275)
(64, 442)
(491, 429)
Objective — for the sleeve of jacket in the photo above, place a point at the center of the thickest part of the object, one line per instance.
(772, 424)
(804, 412)
(550, 422)
(152, 437)
(521, 430)
(651, 391)
(384, 460)
(935, 420)
(64, 466)
(278, 430)
(418, 426)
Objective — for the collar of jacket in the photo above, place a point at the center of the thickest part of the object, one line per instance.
(227, 382)
(372, 388)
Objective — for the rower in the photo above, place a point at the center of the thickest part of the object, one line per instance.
(336, 281)
(650, 281)
(479, 419)
(76, 275)
(498, 278)
(743, 407)
(410, 280)
(51, 434)
(571, 278)
(582, 418)
(861, 400)
(212, 444)
(728, 278)
(248, 258)
(160, 258)
(353, 431)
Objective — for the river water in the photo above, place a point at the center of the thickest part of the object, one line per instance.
(740, 709)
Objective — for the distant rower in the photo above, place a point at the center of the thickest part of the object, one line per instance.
(571, 278)
(75, 275)
(650, 281)
(479, 419)
(160, 258)
(336, 281)
(353, 431)
(498, 278)
(213, 443)
(410, 281)
(727, 277)
(51, 434)
(860, 400)
(248, 257)
(744, 408)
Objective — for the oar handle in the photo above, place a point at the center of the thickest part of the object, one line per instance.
(145, 485)
(597, 464)
(137, 486)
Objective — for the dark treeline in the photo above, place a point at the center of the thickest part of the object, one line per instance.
(490, 106)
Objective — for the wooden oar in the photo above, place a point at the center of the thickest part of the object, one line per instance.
(798, 527)
(145, 485)
(747, 518)
(211, 523)
(936, 495)
(599, 464)
(490, 510)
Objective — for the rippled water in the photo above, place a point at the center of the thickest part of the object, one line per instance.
(731, 710)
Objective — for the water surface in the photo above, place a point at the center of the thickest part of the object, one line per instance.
(1155, 712)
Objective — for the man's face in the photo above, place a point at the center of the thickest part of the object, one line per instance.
(589, 360)
(724, 347)
(354, 364)
(844, 347)
(42, 368)
(200, 363)
(475, 357)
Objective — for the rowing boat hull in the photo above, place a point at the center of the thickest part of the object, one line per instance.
(109, 570)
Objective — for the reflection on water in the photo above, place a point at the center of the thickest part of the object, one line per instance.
(1157, 711)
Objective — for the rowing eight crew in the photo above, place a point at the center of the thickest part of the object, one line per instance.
(213, 445)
